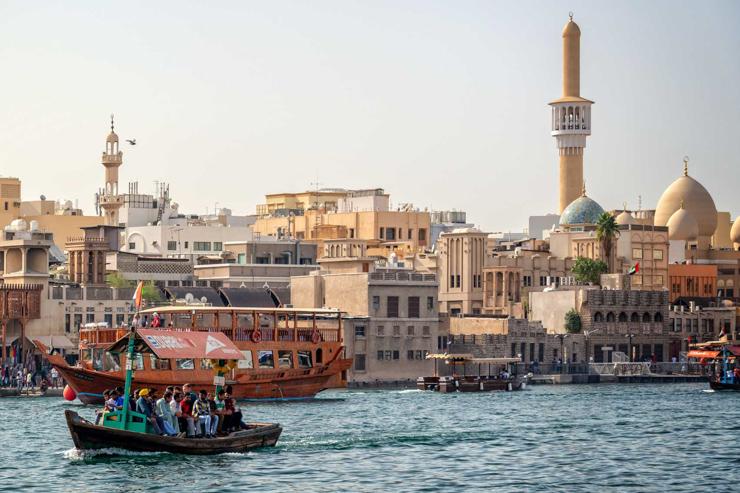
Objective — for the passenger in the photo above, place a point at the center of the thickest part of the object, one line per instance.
(202, 412)
(215, 417)
(144, 406)
(235, 421)
(188, 389)
(187, 421)
(164, 411)
(120, 398)
(224, 415)
(99, 413)
(156, 321)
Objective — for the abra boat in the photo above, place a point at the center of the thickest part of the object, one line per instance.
(501, 375)
(129, 430)
(723, 355)
(288, 353)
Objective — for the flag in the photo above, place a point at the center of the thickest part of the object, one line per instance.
(635, 269)
(137, 295)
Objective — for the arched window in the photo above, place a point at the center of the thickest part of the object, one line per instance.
(658, 317)
(646, 317)
(622, 317)
(635, 317)
(598, 317)
(610, 317)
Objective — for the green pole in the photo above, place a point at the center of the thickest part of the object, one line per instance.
(129, 376)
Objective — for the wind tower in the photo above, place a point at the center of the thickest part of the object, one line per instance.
(109, 200)
(571, 118)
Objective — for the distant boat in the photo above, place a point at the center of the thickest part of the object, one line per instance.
(724, 357)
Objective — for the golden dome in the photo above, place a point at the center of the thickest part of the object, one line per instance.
(624, 217)
(682, 225)
(112, 137)
(735, 231)
(571, 28)
(696, 200)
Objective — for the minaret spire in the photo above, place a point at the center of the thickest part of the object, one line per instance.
(571, 117)
(686, 165)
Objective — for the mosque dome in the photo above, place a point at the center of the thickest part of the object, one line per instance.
(112, 137)
(735, 231)
(696, 200)
(682, 225)
(624, 218)
(571, 29)
(582, 210)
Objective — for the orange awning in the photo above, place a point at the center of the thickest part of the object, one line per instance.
(698, 353)
(166, 344)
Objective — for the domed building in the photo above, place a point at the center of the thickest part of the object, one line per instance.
(624, 218)
(696, 200)
(682, 225)
(582, 211)
(735, 232)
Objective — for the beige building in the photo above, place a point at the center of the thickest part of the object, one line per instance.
(392, 315)
(10, 200)
(462, 256)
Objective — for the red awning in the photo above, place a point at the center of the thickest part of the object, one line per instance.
(699, 353)
(735, 350)
(166, 344)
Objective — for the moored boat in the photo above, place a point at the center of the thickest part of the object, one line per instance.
(500, 376)
(288, 353)
(723, 361)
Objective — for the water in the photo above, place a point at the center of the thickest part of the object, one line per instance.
(550, 438)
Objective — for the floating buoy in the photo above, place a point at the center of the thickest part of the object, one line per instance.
(69, 393)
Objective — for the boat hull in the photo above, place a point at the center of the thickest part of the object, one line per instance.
(88, 436)
(714, 385)
(296, 384)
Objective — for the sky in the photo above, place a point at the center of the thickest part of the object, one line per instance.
(441, 103)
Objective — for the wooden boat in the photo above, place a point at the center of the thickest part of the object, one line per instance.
(474, 383)
(288, 354)
(725, 367)
(88, 436)
(130, 430)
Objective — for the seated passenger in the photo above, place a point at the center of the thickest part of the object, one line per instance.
(224, 415)
(144, 406)
(99, 413)
(235, 420)
(202, 412)
(164, 411)
(187, 421)
(215, 416)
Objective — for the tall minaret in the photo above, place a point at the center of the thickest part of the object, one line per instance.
(109, 199)
(571, 118)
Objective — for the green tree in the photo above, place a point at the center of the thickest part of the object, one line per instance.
(115, 280)
(607, 231)
(587, 270)
(572, 322)
(150, 292)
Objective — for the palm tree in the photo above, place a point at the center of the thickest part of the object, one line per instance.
(607, 231)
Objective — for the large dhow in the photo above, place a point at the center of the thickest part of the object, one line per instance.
(130, 430)
(722, 361)
(287, 353)
(485, 375)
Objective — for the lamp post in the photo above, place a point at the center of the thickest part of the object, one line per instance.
(587, 336)
(562, 350)
(630, 336)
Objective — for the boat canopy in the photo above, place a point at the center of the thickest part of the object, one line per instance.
(702, 354)
(167, 344)
(469, 358)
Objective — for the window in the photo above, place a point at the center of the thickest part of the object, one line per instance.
(381, 330)
(245, 363)
(218, 246)
(396, 355)
(185, 364)
(658, 280)
(637, 253)
(186, 245)
(388, 355)
(425, 331)
(304, 359)
(131, 245)
(637, 280)
(380, 355)
(376, 302)
(410, 354)
(6, 205)
(657, 254)
(359, 362)
(171, 245)
(285, 359)
(410, 234)
(430, 302)
(266, 359)
(359, 331)
(397, 331)
(205, 364)
(392, 308)
(410, 330)
(382, 233)
(202, 246)
(390, 234)
(422, 234)
(413, 307)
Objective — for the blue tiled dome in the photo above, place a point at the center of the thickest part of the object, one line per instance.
(583, 210)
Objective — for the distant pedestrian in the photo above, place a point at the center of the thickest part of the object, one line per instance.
(55, 378)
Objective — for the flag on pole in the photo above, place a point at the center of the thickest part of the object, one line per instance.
(635, 269)
(137, 295)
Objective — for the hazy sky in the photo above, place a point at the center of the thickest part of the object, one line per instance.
(443, 104)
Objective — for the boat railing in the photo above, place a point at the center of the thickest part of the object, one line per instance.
(290, 334)
(101, 335)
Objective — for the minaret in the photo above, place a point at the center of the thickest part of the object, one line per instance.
(571, 118)
(109, 199)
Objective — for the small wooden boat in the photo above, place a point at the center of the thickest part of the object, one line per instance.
(88, 436)
(725, 365)
(505, 380)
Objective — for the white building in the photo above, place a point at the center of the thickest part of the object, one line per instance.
(184, 241)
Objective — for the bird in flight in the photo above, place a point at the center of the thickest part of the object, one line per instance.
(131, 141)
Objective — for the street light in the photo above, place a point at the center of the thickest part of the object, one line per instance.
(562, 352)
(587, 335)
(630, 336)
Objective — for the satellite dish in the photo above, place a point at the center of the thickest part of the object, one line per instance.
(43, 197)
(204, 299)
(189, 297)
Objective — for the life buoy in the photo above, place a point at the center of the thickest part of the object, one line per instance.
(256, 335)
(315, 337)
